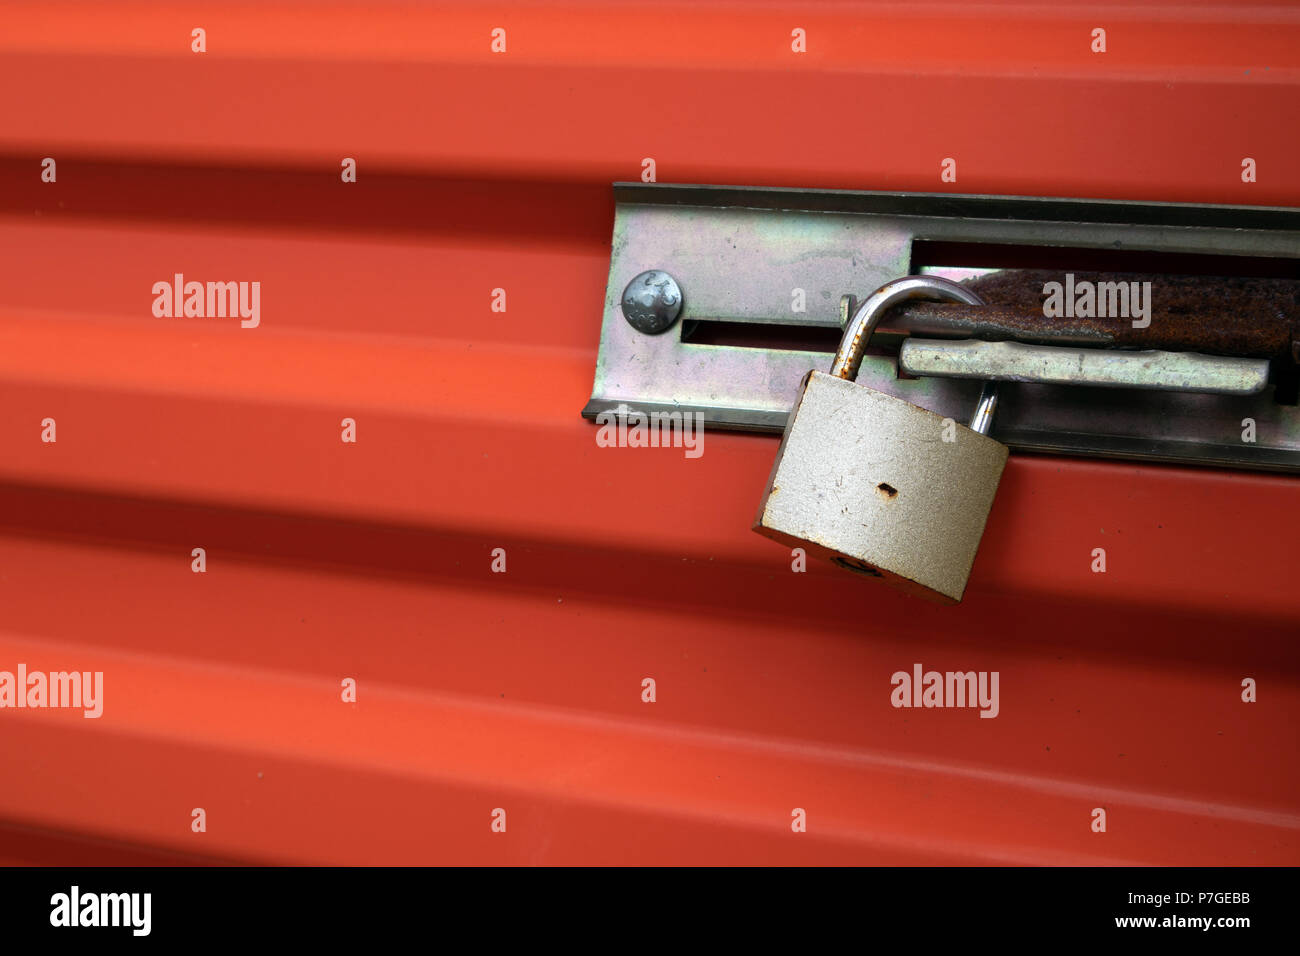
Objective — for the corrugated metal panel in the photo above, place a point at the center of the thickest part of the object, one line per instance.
(522, 690)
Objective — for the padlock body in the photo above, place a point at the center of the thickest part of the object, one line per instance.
(868, 480)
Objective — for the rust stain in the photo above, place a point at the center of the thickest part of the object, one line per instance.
(1215, 315)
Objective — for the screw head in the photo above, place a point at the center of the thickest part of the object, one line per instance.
(652, 301)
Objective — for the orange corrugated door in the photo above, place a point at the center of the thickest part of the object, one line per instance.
(395, 648)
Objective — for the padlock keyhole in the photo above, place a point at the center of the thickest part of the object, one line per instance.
(857, 567)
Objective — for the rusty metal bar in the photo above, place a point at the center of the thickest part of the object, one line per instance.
(1225, 315)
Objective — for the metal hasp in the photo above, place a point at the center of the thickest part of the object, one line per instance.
(1099, 368)
(770, 262)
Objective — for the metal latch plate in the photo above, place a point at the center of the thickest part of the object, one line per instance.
(739, 252)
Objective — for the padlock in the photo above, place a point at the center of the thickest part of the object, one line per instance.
(876, 484)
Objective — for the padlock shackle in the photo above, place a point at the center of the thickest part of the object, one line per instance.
(982, 418)
(853, 346)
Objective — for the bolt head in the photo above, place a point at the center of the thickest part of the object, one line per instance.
(652, 301)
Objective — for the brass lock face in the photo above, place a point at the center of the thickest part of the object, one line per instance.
(876, 484)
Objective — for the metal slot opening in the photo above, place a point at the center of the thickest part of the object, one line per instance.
(787, 338)
(979, 255)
